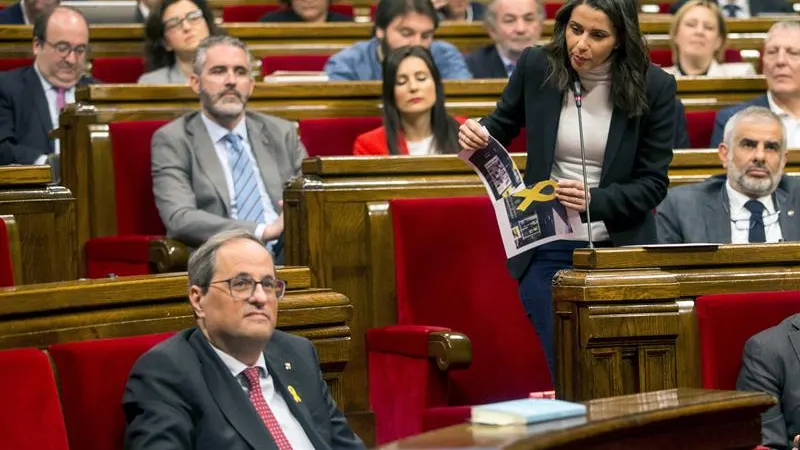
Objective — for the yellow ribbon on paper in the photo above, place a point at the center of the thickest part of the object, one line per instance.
(534, 194)
(294, 395)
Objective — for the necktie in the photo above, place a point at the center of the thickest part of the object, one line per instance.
(510, 68)
(731, 10)
(263, 409)
(61, 98)
(248, 200)
(756, 209)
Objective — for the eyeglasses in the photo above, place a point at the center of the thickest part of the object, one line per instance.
(242, 287)
(64, 49)
(745, 224)
(175, 23)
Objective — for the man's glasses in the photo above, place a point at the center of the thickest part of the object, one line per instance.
(745, 225)
(64, 49)
(243, 287)
(175, 23)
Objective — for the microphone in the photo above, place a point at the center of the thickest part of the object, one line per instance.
(576, 88)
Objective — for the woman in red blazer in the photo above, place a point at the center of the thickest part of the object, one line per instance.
(415, 121)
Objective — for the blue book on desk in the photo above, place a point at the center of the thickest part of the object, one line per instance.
(525, 411)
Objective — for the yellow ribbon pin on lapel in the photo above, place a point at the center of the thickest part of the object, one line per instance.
(534, 194)
(294, 395)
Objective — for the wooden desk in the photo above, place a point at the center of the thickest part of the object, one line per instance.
(668, 420)
(45, 216)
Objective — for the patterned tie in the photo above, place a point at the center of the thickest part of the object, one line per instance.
(245, 185)
(61, 99)
(510, 68)
(757, 233)
(731, 10)
(263, 409)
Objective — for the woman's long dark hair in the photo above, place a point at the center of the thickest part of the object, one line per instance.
(155, 51)
(630, 59)
(444, 127)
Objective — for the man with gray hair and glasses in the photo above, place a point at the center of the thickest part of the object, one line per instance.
(754, 202)
(234, 382)
(224, 167)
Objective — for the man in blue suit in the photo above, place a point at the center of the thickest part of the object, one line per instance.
(781, 67)
(25, 12)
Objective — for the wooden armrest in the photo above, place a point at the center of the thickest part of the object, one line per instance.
(168, 255)
(451, 350)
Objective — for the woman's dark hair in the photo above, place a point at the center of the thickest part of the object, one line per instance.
(629, 58)
(444, 127)
(388, 10)
(156, 53)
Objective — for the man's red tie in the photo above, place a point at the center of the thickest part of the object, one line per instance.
(257, 398)
(61, 98)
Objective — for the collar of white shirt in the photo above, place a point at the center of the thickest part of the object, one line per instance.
(216, 131)
(737, 201)
(783, 114)
(144, 10)
(505, 60)
(236, 367)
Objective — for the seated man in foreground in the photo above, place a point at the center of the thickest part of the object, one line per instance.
(771, 364)
(754, 202)
(223, 167)
(233, 382)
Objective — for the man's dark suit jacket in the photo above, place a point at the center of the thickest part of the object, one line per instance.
(24, 117)
(637, 156)
(485, 62)
(288, 15)
(756, 6)
(723, 115)
(771, 364)
(180, 395)
(12, 15)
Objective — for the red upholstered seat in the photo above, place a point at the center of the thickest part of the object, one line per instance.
(252, 13)
(518, 144)
(700, 126)
(334, 136)
(551, 8)
(450, 274)
(302, 63)
(662, 57)
(726, 321)
(122, 69)
(30, 418)
(138, 221)
(92, 376)
(14, 63)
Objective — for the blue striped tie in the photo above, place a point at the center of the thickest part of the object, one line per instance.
(249, 206)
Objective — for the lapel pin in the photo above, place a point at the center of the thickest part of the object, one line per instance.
(294, 394)
(287, 366)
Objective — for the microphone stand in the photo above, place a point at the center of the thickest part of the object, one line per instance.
(578, 103)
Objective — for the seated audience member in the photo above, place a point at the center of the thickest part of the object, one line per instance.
(459, 10)
(755, 202)
(781, 67)
(398, 23)
(233, 382)
(697, 37)
(31, 98)
(223, 167)
(770, 364)
(742, 9)
(513, 25)
(172, 35)
(311, 11)
(26, 12)
(415, 121)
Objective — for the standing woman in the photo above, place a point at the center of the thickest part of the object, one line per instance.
(628, 119)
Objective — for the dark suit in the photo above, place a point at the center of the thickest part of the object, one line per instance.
(12, 15)
(681, 137)
(756, 7)
(24, 117)
(485, 62)
(288, 15)
(700, 212)
(180, 395)
(138, 17)
(723, 115)
(771, 364)
(637, 156)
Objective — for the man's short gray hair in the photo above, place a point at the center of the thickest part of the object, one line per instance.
(782, 25)
(490, 16)
(200, 54)
(203, 263)
(755, 113)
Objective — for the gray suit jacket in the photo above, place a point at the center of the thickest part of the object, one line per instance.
(164, 75)
(700, 212)
(188, 182)
(180, 395)
(771, 364)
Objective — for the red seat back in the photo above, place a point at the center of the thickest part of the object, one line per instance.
(92, 376)
(726, 321)
(451, 272)
(252, 13)
(135, 203)
(519, 143)
(700, 126)
(551, 8)
(121, 69)
(31, 417)
(334, 136)
(303, 63)
(14, 63)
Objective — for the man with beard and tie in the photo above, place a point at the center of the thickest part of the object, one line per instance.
(753, 203)
(224, 167)
(31, 98)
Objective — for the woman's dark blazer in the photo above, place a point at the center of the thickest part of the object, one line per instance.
(638, 151)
